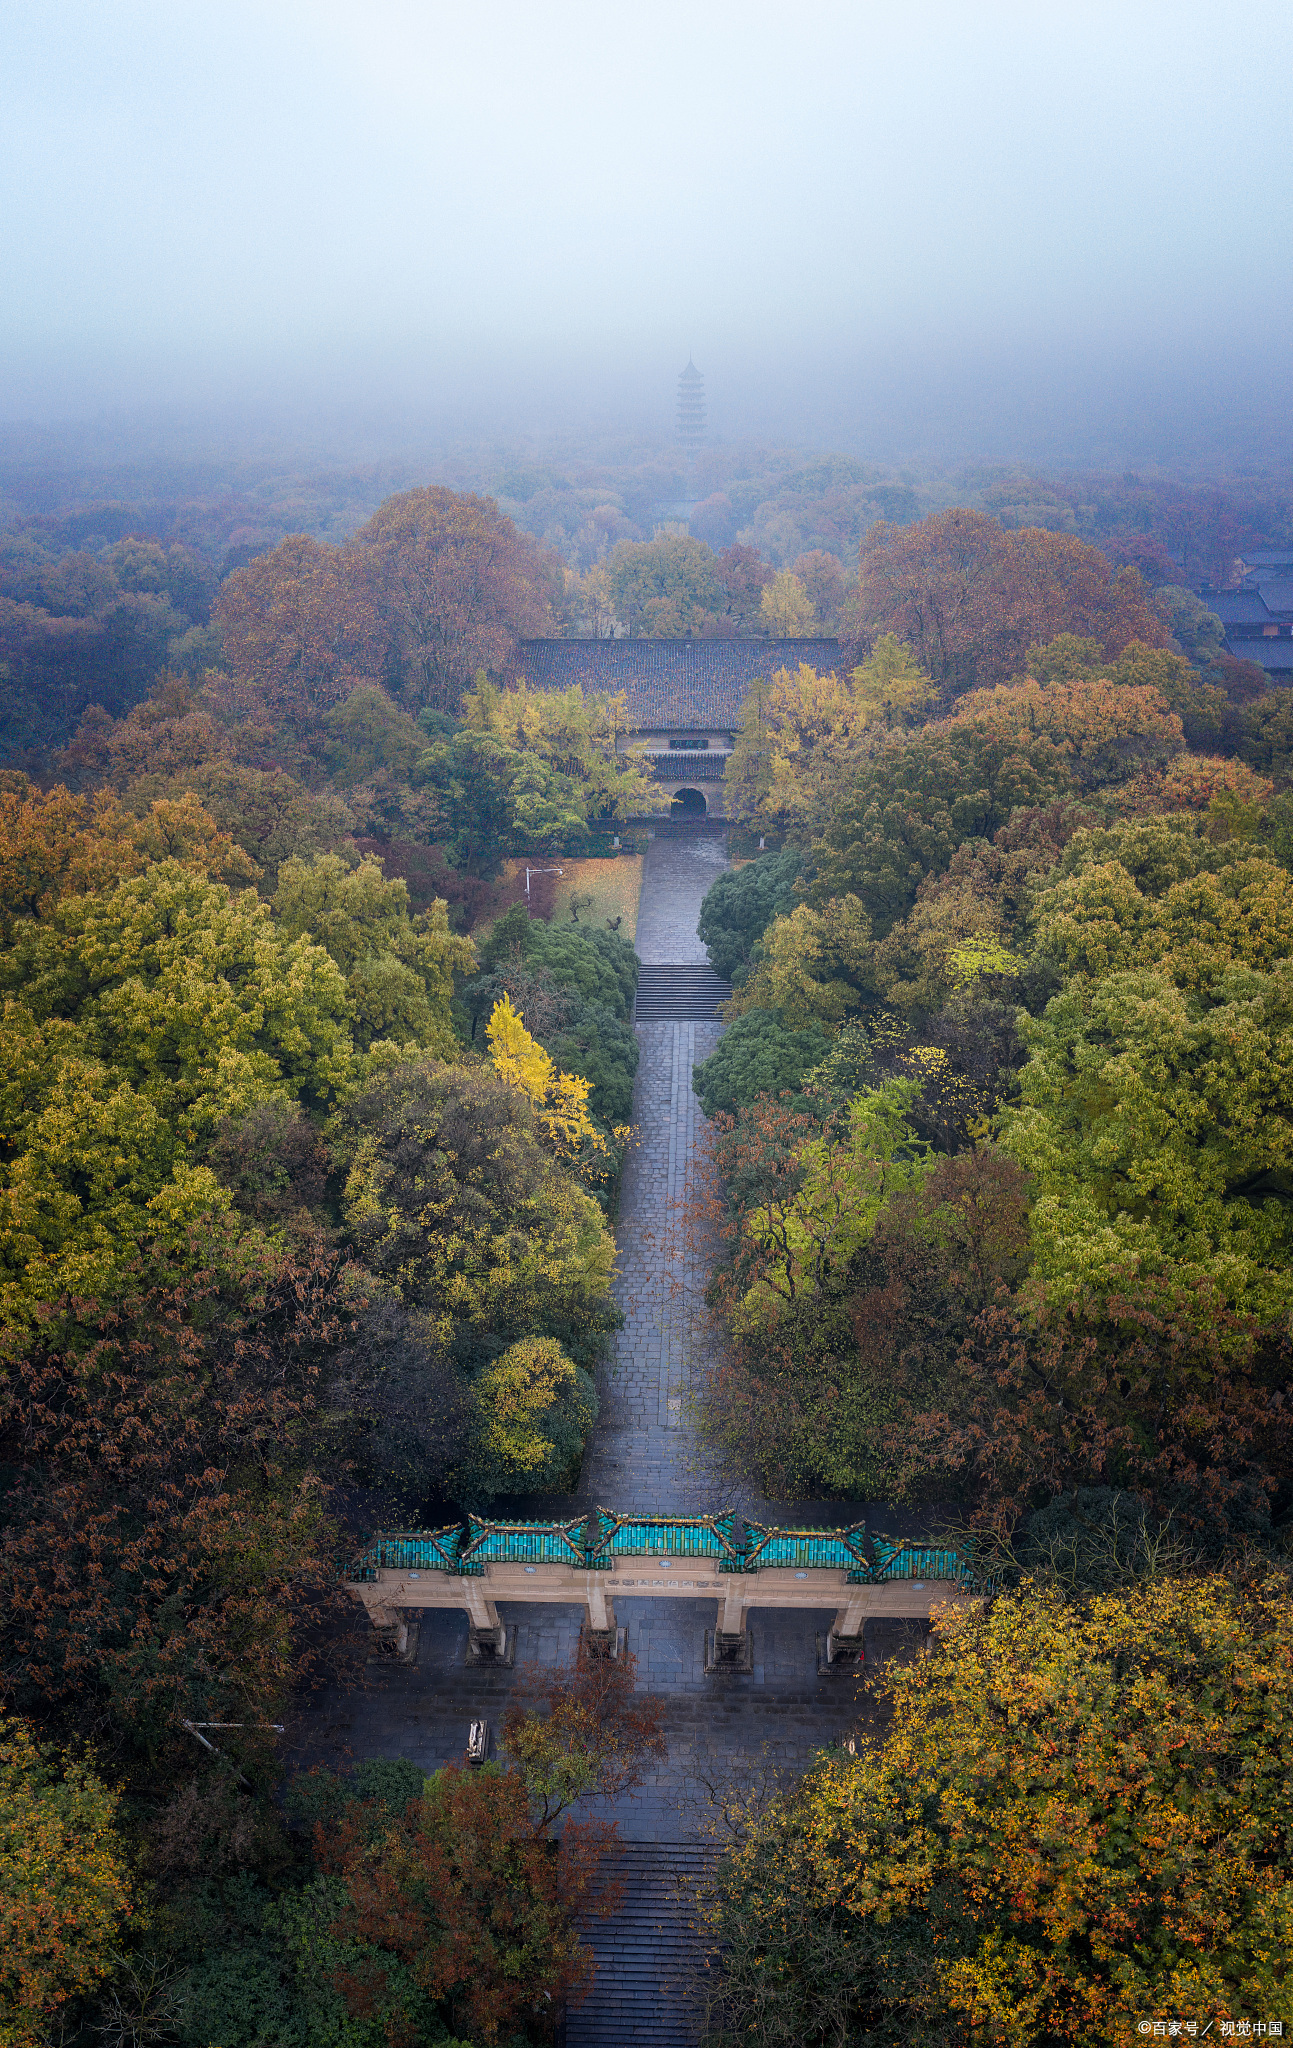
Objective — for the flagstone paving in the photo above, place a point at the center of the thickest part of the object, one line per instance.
(645, 1452)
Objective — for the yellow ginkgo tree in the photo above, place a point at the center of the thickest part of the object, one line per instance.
(560, 1100)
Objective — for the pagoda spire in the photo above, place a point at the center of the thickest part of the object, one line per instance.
(691, 409)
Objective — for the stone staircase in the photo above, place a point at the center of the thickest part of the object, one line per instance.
(650, 1980)
(681, 995)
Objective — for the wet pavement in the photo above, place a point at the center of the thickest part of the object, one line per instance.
(646, 1452)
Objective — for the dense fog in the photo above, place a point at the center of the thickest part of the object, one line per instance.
(1014, 233)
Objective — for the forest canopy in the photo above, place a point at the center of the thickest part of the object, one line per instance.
(315, 1126)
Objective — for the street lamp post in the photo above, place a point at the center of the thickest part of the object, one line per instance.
(539, 871)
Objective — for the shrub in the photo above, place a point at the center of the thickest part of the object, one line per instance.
(598, 964)
(756, 1055)
(535, 1409)
(742, 904)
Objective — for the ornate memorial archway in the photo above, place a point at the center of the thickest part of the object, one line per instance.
(586, 1562)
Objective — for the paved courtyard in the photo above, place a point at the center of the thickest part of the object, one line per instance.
(645, 1453)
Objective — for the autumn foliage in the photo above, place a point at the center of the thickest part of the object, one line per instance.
(1074, 1821)
(970, 597)
(66, 1890)
(456, 586)
(467, 1899)
(165, 1532)
(466, 1902)
(300, 625)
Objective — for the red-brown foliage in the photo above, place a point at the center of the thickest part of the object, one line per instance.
(164, 1534)
(970, 598)
(299, 625)
(457, 585)
(475, 1899)
(584, 1730)
(1140, 1391)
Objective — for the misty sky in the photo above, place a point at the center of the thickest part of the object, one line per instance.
(992, 222)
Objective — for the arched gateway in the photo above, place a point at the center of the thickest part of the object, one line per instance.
(586, 1562)
(682, 698)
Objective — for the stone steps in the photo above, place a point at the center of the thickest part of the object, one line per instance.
(683, 994)
(649, 1984)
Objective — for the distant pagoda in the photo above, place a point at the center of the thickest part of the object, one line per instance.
(691, 410)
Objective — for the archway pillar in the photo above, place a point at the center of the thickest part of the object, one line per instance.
(844, 1638)
(601, 1615)
(388, 1621)
(733, 1610)
(486, 1636)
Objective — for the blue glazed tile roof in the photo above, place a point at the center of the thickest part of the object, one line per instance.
(523, 1543)
(665, 1536)
(419, 1550)
(918, 1561)
(806, 1549)
(595, 1544)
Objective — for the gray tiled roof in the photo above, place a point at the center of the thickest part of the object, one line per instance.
(690, 767)
(1268, 558)
(1275, 656)
(671, 685)
(1238, 607)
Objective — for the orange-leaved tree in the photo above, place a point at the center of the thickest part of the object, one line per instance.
(1076, 1821)
(464, 1902)
(1104, 729)
(300, 625)
(969, 598)
(54, 844)
(65, 1885)
(457, 586)
(465, 1897)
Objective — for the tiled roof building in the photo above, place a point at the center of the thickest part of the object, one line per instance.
(1258, 617)
(684, 696)
(671, 685)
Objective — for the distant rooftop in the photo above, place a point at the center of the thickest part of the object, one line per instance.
(1268, 558)
(1275, 656)
(671, 685)
(1238, 607)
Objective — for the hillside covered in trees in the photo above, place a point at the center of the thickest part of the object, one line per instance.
(309, 1175)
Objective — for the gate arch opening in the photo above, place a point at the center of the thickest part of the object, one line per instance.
(687, 803)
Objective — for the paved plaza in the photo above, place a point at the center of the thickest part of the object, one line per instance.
(646, 1453)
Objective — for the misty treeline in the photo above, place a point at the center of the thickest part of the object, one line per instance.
(96, 595)
(312, 1132)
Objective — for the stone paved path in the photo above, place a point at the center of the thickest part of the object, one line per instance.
(645, 1453)
(678, 874)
